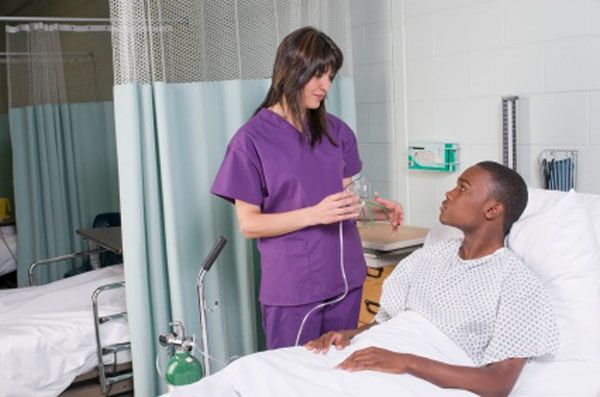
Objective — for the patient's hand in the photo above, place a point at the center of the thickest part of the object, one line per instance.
(339, 339)
(375, 359)
(390, 210)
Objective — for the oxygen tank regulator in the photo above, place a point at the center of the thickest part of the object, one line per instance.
(182, 368)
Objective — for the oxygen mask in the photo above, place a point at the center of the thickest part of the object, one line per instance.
(361, 187)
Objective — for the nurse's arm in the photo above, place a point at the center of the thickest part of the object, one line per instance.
(333, 208)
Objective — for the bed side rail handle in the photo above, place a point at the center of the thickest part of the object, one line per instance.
(106, 287)
(59, 258)
(111, 317)
(107, 380)
(118, 378)
(371, 306)
(116, 348)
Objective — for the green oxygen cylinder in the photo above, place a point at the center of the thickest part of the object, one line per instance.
(182, 368)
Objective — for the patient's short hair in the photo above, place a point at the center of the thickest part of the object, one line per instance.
(509, 189)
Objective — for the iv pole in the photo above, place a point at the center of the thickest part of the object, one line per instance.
(204, 268)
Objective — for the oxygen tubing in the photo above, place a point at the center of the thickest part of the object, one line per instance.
(336, 300)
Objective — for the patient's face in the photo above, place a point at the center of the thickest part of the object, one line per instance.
(465, 205)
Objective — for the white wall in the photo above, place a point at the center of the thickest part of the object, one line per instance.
(462, 56)
(371, 36)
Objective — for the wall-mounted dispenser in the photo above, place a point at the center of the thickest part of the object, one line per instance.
(434, 156)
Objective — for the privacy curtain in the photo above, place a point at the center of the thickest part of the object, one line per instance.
(62, 133)
(188, 74)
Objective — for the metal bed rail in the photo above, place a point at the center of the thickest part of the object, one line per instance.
(93, 253)
(108, 378)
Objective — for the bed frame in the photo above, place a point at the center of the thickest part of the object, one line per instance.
(88, 384)
(111, 379)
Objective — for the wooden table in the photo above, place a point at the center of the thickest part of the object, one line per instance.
(377, 236)
(382, 252)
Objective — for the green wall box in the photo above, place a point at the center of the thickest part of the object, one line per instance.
(434, 156)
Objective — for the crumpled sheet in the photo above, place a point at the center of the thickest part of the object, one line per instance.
(298, 372)
(47, 333)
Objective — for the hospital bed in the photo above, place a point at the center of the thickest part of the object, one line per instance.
(558, 236)
(69, 331)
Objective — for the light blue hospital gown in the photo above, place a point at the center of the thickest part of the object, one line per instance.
(493, 307)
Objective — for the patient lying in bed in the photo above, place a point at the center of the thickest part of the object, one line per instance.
(458, 317)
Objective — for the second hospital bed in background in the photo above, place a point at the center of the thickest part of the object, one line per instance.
(47, 336)
(55, 334)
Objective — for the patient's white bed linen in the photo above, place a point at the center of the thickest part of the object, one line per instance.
(47, 334)
(558, 379)
(295, 371)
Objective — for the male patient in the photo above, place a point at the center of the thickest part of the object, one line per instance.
(474, 289)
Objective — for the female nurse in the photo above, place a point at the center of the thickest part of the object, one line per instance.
(285, 170)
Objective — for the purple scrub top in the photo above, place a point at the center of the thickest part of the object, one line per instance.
(268, 163)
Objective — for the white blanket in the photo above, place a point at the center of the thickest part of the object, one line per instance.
(558, 379)
(47, 334)
(297, 372)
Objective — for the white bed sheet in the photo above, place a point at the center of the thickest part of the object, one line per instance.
(8, 249)
(297, 372)
(47, 333)
(558, 379)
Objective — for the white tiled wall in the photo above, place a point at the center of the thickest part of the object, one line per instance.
(462, 56)
(544, 20)
(371, 34)
(594, 16)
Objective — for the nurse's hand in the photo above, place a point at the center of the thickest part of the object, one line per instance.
(335, 208)
(339, 339)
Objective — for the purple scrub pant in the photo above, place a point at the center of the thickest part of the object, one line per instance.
(281, 323)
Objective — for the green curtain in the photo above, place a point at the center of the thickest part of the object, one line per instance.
(171, 139)
(64, 172)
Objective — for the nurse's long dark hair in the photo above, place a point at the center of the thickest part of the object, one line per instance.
(304, 53)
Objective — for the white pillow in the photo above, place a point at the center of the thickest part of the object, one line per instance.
(560, 245)
(540, 200)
